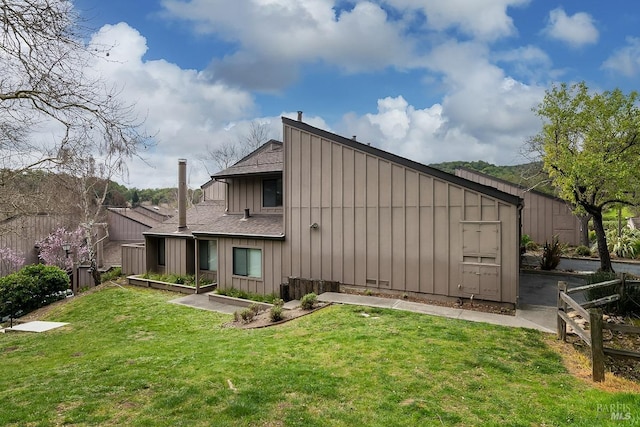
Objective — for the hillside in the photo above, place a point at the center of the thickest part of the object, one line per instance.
(529, 175)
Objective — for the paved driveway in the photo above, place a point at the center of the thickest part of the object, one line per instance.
(542, 289)
(538, 288)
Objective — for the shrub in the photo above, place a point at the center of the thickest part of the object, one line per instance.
(551, 254)
(582, 250)
(532, 246)
(524, 239)
(237, 293)
(623, 245)
(255, 308)
(275, 314)
(32, 287)
(112, 274)
(247, 315)
(308, 301)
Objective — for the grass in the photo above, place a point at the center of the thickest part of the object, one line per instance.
(130, 358)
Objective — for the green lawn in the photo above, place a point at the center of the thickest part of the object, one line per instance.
(130, 358)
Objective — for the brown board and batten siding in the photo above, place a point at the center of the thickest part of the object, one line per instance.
(21, 233)
(246, 193)
(272, 261)
(543, 216)
(384, 222)
(123, 227)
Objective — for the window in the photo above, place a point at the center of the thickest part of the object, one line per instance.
(247, 262)
(161, 252)
(272, 193)
(208, 253)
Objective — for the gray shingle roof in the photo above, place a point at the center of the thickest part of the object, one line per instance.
(267, 159)
(209, 218)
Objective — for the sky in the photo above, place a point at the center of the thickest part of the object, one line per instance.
(430, 80)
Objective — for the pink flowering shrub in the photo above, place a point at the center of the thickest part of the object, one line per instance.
(12, 259)
(52, 253)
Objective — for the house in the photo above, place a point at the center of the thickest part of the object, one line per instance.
(322, 206)
(125, 227)
(543, 216)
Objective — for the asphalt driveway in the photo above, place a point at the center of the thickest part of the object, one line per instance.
(540, 288)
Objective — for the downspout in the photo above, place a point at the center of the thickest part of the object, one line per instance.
(226, 195)
(197, 261)
(520, 208)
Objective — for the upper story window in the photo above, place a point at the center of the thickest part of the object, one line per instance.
(272, 193)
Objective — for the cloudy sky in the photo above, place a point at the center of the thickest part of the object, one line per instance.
(431, 80)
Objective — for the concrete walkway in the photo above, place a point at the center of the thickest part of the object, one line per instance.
(532, 317)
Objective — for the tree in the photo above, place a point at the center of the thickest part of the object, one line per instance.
(591, 150)
(53, 253)
(229, 152)
(48, 87)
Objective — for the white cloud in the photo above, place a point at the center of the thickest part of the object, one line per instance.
(277, 36)
(486, 20)
(485, 114)
(184, 110)
(577, 30)
(626, 60)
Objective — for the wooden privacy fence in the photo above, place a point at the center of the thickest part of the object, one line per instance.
(593, 315)
(296, 288)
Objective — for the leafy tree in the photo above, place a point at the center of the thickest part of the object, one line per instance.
(591, 150)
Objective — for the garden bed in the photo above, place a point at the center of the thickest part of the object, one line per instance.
(174, 287)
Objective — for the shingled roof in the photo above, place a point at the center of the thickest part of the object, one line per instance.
(267, 159)
(208, 218)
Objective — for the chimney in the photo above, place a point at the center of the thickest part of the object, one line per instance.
(299, 116)
(182, 194)
(353, 137)
(246, 214)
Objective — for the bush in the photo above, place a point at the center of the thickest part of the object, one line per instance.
(524, 239)
(625, 244)
(551, 254)
(582, 250)
(532, 246)
(247, 315)
(309, 301)
(276, 313)
(112, 274)
(237, 293)
(32, 287)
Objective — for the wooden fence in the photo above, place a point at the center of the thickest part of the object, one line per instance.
(296, 288)
(593, 315)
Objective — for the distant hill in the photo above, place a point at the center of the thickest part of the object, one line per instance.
(529, 175)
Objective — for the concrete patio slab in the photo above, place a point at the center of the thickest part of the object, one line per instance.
(35, 326)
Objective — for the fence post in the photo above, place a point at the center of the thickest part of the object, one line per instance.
(597, 350)
(621, 288)
(562, 306)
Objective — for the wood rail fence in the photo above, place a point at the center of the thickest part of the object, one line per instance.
(591, 312)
